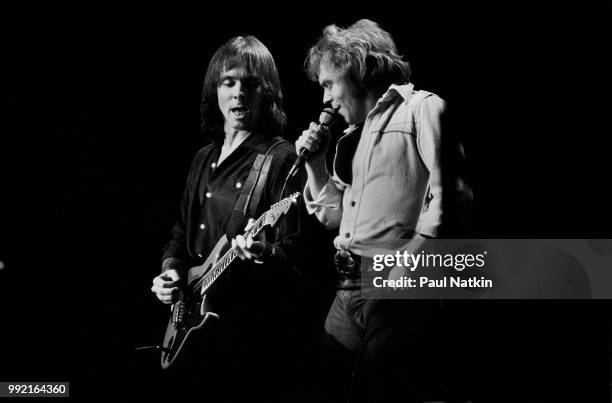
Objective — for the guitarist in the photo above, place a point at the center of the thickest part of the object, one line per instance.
(242, 112)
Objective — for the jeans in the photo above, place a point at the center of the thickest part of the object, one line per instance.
(376, 350)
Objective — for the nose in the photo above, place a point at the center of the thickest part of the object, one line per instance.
(239, 89)
(327, 98)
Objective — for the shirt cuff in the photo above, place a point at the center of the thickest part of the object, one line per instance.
(173, 263)
(329, 197)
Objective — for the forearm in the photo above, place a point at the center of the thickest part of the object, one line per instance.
(176, 248)
(417, 243)
(173, 263)
(318, 176)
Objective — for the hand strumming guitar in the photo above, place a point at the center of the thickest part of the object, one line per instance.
(166, 286)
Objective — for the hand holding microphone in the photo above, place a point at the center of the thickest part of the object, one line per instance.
(313, 143)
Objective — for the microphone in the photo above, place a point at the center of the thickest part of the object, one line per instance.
(327, 118)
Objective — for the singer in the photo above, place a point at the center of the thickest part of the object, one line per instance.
(386, 184)
(262, 301)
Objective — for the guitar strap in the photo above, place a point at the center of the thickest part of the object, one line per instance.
(249, 198)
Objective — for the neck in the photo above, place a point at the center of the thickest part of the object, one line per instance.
(370, 97)
(234, 137)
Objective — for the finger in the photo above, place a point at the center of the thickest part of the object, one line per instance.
(245, 244)
(161, 292)
(170, 284)
(172, 274)
(165, 276)
(307, 146)
(312, 142)
(249, 224)
(168, 291)
(311, 145)
(316, 140)
(301, 142)
(240, 242)
(158, 281)
(248, 254)
(323, 133)
(236, 246)
(256, 245)
(161, 283)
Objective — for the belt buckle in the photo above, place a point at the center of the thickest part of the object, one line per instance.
(344, 262)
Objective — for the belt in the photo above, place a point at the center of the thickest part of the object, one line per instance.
(347, 263)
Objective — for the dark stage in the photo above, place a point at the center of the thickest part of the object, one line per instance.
(102, 120)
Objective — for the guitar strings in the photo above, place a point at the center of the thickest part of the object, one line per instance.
(226, 257)
(257, 226)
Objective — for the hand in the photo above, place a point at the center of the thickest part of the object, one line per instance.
(316, 141)
(249, 248)
(165, 286)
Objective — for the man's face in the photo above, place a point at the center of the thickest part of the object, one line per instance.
(343, 94)
(240, 99)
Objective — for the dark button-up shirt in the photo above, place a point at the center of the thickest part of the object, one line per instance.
(211, 193)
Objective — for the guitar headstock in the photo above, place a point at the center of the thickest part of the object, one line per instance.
(279, 209)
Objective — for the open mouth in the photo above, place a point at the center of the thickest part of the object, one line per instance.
(239, 111)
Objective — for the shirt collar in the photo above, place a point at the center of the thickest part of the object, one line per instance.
(405, 91)
(256, 141)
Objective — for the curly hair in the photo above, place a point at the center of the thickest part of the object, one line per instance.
(364, 50)
(248, 52)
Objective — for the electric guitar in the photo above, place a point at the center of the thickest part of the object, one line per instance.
(190, 312)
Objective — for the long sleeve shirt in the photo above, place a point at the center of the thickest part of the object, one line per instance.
(395, 186)
(210, 195)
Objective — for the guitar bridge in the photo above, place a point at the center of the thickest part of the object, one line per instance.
(177, 313)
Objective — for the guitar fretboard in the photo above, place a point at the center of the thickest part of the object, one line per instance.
(268, 218)
(209, 278)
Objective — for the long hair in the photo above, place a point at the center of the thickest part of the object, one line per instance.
(250, 53)
(364, 51)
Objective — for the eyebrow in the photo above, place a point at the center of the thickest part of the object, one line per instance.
(226, 76)
(247, 76)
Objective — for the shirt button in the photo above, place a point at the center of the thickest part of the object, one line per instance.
(199, 255)
(213, 165)
(202, 226)
(208, 195)
(238, 185)
(353, 203)
(347, 235)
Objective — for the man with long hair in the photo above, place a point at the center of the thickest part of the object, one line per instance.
(258, 300)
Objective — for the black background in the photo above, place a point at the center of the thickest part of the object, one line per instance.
(102, 119)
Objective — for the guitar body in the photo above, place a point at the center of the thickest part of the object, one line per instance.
(191, 312)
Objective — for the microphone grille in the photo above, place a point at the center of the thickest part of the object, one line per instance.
(328, 117)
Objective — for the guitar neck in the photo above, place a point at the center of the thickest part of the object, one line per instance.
(226, 260)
